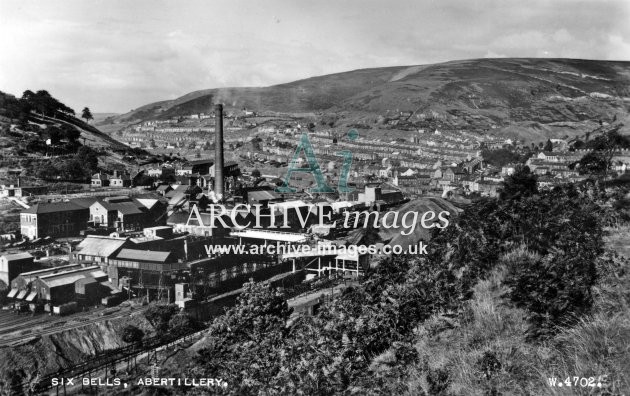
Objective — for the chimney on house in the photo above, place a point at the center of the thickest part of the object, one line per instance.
(218, 151)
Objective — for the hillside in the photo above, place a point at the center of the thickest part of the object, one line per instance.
(41, 139)
(514, 96)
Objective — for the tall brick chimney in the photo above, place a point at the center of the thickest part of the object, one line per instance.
(218, 151)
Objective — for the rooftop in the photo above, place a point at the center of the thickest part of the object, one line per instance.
(49, 271)
(53, 207)
(18, 256)
(270, 235)
(69, 277)
(100, 246)
(143, 255)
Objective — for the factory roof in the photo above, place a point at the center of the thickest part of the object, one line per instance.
(129, 208)
(290, 204)
(202, 162)
(18, 256)
(147, 202)
(49, 271)
(143, 255)
(178, 218)
(262, 195)
(84, 202)
(53, 207)
(270, 235)
(69, 277)
(100, 246)
(126, 206)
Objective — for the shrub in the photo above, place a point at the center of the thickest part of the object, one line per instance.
(555, 289)
(132, 334)
(160, 315)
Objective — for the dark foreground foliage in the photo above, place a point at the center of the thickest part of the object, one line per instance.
(557, 236)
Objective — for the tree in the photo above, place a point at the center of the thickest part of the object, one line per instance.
(256, 173)
(521, 183)
(54, 134)
(593, 163)
(160, 315)
(131, 334)
(88, 158)
(69, 133)
(182, 323)
(548, 146)
(87, 115)
(74, 169)
(501, 157)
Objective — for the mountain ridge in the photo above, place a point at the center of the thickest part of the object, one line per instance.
(463, 94)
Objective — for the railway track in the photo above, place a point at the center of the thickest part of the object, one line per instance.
(67, 323)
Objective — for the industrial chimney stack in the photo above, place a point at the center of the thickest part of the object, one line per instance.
(218, 151)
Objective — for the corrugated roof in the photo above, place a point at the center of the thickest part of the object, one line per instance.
(202, 162)
(49, 271)
(100, 246)
(53, 207)
(128, 208)
(84, 202)
(270, 235)
(18, 256)
(143, 255)
(178, 218)
(114, 289)
(262, 195)
(147, 202)
(176, 198)
(124, 207)
(66, 278)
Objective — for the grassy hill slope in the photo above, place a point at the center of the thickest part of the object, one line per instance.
(526, 93)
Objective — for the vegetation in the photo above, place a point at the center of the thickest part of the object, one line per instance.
(86, 114)
(131, 334)
(521, 183)
(79, 167)
(599, 161)
(502, 157)
(509, 277)
(160, 315)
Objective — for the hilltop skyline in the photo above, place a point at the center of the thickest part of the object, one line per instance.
(116, 56)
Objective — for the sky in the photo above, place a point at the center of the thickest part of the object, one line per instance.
(116, 55)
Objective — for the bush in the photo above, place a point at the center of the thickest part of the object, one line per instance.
(160, 315)
(131, 334)
(182, 323)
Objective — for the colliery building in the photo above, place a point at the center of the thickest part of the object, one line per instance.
(59, 219)
(11, 265)
(24, 281)
(54, 287)
(123, 213)
(84, 284)
(67, 219)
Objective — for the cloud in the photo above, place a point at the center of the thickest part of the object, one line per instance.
(120, 55)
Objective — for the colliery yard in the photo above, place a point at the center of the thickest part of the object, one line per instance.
(18, 327)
